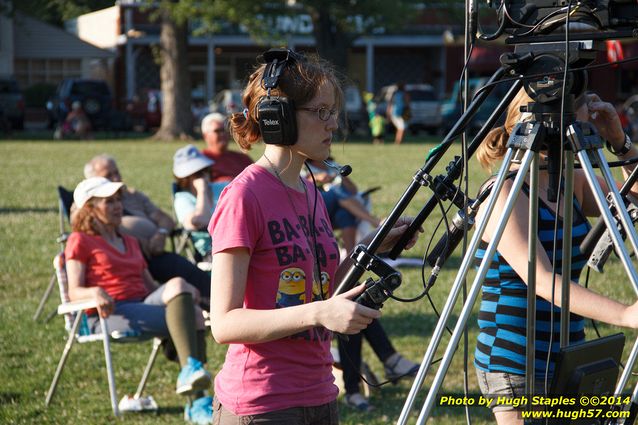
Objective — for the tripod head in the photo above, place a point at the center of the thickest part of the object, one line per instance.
(531, 21)
(553, 92)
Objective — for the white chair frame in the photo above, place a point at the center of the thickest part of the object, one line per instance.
(74, 316)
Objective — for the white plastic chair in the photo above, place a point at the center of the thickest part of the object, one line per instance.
(77, 327)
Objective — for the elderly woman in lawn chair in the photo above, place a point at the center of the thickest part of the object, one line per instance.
(194, 200)
(107, 266)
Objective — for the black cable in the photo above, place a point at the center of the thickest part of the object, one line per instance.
(558, 199)
(426, 288)
(313, 234)
(501, 26)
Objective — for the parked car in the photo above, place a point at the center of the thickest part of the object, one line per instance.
(355, 109)
(11, 103)
(227, 102)
(425, 107)
(452, 106)
(94, 95)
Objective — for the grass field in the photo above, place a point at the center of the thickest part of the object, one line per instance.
(29, 351)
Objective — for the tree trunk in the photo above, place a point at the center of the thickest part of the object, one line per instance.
(177, 119)
(332, 42)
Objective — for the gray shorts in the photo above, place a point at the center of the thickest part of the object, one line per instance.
(143, 318)
(507, 385)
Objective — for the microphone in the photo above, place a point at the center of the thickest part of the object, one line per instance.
(454, 234)
(344, 170)
(451, 239)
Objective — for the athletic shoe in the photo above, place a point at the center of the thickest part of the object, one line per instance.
(193, 377)
(200, 412)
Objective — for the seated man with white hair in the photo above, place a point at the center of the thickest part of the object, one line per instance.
(228, 164)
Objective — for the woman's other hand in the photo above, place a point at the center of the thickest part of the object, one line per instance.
(104, 302)
(395, 234)
(604, 116)
(200, 184)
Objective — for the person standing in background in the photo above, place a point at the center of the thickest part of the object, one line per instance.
(399, 111)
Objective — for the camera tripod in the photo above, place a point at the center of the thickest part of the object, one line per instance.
(523, 149)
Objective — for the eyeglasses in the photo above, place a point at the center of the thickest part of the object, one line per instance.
(323, 113)
(219, 130)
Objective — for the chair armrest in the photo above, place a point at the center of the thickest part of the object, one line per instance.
(74, 306)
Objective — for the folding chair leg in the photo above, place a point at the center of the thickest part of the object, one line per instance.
(45, 297)
(157, 343)
(109, 366)
(62, 362)
(50, 316)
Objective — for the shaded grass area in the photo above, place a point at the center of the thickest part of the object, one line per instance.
(29, 351)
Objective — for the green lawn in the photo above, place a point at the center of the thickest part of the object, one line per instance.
(29, 350)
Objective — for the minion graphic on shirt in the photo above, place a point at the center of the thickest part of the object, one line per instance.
(324, 287)
(292, 288)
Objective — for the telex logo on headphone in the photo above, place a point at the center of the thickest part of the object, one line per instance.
(270, 122)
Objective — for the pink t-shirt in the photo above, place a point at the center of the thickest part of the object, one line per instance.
(254, 212)
(119, 274)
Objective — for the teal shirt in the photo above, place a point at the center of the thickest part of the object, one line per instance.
(184, 204)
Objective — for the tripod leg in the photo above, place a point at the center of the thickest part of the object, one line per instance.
(530, 334)
(566, 270)
(454, 291)
(620, 205)
(599, 196)
(476, 285)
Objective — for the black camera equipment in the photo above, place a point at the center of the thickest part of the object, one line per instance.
(377, 291)
(541, 20)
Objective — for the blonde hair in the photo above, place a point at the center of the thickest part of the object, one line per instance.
(494, 146)
(299, 82)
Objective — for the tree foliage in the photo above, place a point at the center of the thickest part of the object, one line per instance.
(55, 12)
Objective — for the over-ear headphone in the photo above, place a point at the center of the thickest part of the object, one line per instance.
(276, 115)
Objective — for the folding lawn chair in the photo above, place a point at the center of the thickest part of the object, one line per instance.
(78, 330)
(65, 200)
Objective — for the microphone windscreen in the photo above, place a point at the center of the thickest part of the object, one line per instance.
(345, 170)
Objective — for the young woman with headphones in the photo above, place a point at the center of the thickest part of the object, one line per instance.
(275, 259)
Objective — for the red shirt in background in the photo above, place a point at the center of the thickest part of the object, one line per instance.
(119, 274)
(227, 165)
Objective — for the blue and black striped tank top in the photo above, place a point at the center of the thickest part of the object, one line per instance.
(502, 317)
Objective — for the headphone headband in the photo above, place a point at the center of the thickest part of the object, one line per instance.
(276, 60)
